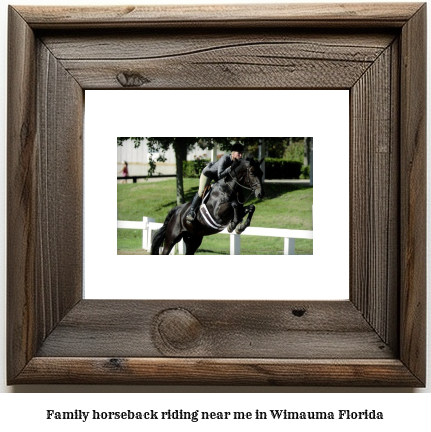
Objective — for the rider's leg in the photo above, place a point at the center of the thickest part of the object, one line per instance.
(191, 215)
(197, 199)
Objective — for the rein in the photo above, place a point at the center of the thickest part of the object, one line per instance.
(252, 188)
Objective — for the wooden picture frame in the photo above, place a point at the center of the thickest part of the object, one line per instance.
(376, 338)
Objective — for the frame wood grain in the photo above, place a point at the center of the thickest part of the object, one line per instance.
(376, 338)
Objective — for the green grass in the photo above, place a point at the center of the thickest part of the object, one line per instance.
(284, 206)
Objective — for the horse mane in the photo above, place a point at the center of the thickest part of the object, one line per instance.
(251, 160)
(247, 161)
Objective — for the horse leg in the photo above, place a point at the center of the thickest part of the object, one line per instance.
(169, 244)
(236, 217)
(173, 236)
(250, 210)
(192, 244)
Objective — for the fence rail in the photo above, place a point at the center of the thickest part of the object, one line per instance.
(136, 177)
(149, 228)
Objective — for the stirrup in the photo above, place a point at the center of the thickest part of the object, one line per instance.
(191, 216)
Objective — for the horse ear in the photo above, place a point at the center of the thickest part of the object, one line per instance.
(260, 162)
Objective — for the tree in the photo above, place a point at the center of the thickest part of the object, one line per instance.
(181, 146)
(275, 147)
(160, 145)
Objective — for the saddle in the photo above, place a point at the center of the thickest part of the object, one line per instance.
(207, 192)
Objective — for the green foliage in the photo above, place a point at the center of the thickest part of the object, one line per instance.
(282, 169)
(193, 169)
(295, 151)
(224, 144)
(289, 148)
(277, 147)
(305, 172)
(136, 140)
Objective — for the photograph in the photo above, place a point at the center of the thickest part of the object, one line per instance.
(259, 188)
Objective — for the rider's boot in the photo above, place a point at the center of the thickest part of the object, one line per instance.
(195, 203)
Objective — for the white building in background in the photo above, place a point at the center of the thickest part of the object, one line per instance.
(138, 158)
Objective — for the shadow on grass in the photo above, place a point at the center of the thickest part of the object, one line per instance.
(272, 191)
(188, 197)
(211, 252)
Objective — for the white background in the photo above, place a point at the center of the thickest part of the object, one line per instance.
(402, 409)
(323, 115)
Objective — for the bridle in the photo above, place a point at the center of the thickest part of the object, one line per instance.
(252, 186)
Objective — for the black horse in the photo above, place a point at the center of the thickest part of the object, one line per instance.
(222, 207)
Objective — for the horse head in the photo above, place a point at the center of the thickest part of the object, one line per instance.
(253, 177)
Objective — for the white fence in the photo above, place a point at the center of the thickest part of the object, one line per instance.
(149, 228)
